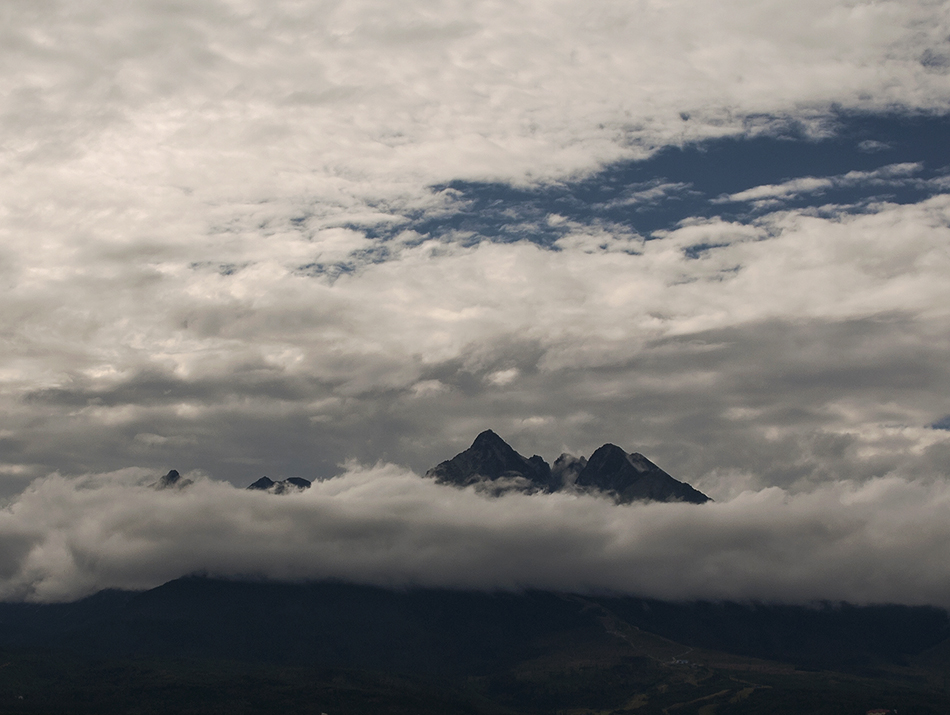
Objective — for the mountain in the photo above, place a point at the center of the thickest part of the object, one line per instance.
(494, 467)
(285, 486)
(172, 480)
(490, 463)
(204, 645)
(633, 477)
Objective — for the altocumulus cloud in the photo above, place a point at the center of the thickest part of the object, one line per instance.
(879, 541)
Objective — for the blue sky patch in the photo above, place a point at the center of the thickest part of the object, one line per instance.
(866, 159)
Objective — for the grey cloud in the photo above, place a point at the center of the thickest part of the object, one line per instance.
(942, 423)
(154, 387)
(934, 60)
(787, 402)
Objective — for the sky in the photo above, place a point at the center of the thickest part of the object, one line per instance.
(337, 240)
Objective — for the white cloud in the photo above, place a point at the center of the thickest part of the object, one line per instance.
(650, 192)
(883, 541)
(140, 121)
(892, 174)
(429, 388)
(503, 377)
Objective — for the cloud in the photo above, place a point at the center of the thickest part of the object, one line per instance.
(503, 377)
(943, 423)
(648, 192)
(881, 541)
(891, 175)
(799, 347)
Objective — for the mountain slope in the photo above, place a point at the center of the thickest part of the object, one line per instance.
(284, 486)
(490, 459)
(205, 645)
(633, 477)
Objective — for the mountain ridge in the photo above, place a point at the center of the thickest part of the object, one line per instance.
(284, 486)
(208, 645)
(492, 466)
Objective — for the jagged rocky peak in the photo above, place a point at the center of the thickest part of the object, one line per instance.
(494, 468)
(633, 477)
(285, 486)
(172, 480)
(263, 484)
(491, 462)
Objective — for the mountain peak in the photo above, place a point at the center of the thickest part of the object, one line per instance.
(490, 459)
(263, 483)
(172, 480)
(488, 436)
(285, 486)
(633, 477)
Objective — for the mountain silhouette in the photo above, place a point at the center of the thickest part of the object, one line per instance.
(633, 477)
(492, 466)
(284, 486)
(491, 462)
(172, 480)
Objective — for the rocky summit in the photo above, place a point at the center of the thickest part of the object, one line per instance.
(493, 467)
(491, 463)
(284, 486)
(633, 477)
(172, 480)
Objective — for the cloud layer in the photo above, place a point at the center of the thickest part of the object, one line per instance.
(796, 347)
(881, 541)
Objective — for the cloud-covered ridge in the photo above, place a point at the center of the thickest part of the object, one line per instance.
(882, 541)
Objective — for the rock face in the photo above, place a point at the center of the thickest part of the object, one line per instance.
(285, 486)
(492, 464)
(493, 467)
(172, 480)
(633, 477)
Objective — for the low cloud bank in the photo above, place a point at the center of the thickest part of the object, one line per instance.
(880, 541)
